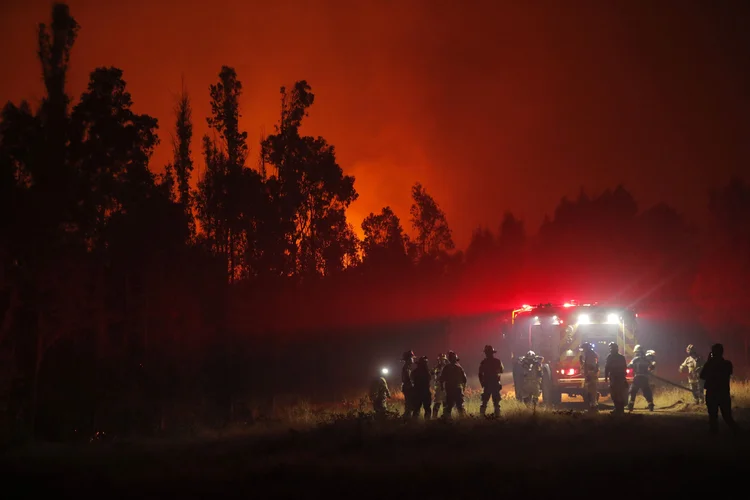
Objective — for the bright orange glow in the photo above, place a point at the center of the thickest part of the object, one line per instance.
(404, 105)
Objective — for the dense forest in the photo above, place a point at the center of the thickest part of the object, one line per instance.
(130, 299)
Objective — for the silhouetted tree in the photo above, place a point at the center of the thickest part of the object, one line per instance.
(228, 194)
(183, 161)
(385, 244)
(55, 44)
(38, 244)
(309, 192)
(481, 247)
(111, 146)
(434, 239)
(512, 233)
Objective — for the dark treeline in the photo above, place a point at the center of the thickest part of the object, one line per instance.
(131, 301)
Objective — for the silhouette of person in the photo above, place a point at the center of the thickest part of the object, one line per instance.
(615, 371)
(421, 378)
(437, 387)
(716, 373)
(489, 378)
(641, 367)
(453, 379)
(379, 393)
(407, 385)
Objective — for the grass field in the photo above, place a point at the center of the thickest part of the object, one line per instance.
(342, 451)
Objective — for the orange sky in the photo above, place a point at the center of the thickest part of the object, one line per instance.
(492, 106)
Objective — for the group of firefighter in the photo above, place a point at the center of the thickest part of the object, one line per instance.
(615, 372)
(643, 364)
(428, 389)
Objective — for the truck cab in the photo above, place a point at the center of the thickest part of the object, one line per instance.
(556, 332)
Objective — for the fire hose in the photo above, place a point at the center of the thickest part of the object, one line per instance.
(675, 384)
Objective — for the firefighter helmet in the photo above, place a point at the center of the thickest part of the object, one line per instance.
(423, 360)
(407, 356)
(638, 350)
(442, 357)
(613, 347)
(690, 349)
(650, 352)
(531, 354)
(452, 357)
(586, 346)
(489, 350)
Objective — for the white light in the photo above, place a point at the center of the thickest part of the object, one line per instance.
(384, 371)
(583, 319)
(613, 318)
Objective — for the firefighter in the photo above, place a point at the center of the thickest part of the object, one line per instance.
(532, 378)
(641, 368)
(438, 392)
(517, 376)
(407, 386)
(651, 357)
(379, 393)
(422, 395)
(489, 378)
(615, 372)
(692, 365)
(590, 369)
(453, 382)
(717, 374)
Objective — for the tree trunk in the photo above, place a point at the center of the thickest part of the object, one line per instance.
(35, 380)
(231, 256)
(10, 314)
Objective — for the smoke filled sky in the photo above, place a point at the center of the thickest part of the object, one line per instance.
(492, 105)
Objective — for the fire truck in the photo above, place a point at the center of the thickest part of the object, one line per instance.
(556, 333)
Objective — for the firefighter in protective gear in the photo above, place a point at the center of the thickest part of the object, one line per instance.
(651, 357)
(641, 368)
(517, 375)
(589, 360)
(422, 396)
(379, 393)
(438, 396)
(692, 365)
(453, 382)
(407, 386)
(532, 378)
(489, 378)
(615, 371)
